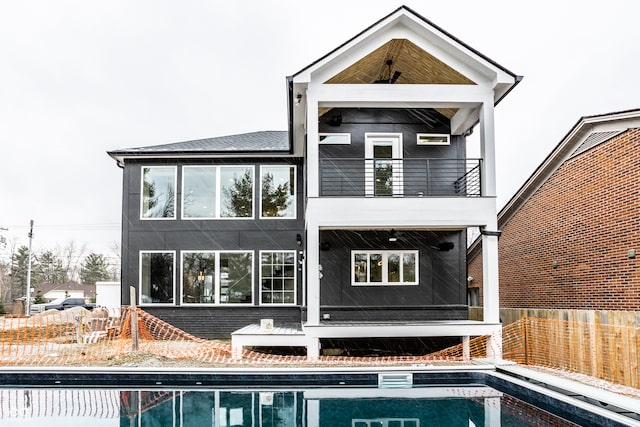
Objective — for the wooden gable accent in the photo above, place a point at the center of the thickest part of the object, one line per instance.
(416, 65)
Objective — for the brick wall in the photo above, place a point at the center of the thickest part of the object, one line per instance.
(567, 247)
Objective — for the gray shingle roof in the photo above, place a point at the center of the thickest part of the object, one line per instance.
(263, 141)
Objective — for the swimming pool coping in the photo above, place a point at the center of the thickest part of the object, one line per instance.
(544, 390)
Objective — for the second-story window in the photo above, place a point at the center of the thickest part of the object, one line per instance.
(278, 191)
(158, 192)
(210, 192)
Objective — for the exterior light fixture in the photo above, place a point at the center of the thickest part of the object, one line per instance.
(393, 236)
(299, 239)
(298, 98)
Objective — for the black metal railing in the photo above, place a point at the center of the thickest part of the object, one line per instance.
(400, 177)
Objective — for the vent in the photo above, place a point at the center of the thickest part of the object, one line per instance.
(594, 139)
(396, 380)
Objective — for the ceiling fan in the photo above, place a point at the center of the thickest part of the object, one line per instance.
(390, 78)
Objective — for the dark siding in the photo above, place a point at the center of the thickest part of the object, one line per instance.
(441, 276)
(228, 234)
(358, 121)
(219, 322)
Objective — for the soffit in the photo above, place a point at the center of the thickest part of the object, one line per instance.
(416, 65)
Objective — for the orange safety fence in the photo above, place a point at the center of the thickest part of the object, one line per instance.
(80, 337)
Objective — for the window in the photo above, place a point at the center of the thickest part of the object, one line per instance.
(433, 139)
(198, 277)
(157, 277)
(199, 192)
(335, 138)
(278, 277)
(216, 277)
(384, 268)
(158, 192)
(210, 192)
(236, 191)
(278, 192)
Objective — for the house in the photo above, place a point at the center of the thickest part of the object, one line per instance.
(71, 289)
(570, 234)
(350, 224)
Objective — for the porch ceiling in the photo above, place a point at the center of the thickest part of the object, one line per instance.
(415, 65)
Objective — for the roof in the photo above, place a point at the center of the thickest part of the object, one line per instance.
(253, 142)
(89, 290)
(424, 20)
(588, 132)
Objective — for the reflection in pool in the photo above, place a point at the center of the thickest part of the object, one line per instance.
(351, 407)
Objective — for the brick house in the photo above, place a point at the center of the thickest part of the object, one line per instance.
(570, 234)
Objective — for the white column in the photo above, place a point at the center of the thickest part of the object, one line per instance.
(490, 284)
(488, 148)
(312, 269)
(311, 152)
(490, 277)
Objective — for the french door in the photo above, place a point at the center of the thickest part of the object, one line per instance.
(383, 164)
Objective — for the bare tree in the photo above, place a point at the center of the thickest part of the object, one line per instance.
(72, 256)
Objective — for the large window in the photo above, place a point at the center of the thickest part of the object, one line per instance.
(217, 192)
(236, 191)
(384, 268)
(215, 277)
(199, 192)
(158, 192)
(157, 277)
(278, 192)
(278, 277)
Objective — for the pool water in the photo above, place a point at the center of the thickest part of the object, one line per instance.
(469, 405)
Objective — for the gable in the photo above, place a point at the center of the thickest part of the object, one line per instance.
(415, 65)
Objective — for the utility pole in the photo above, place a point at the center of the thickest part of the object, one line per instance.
(27, 301)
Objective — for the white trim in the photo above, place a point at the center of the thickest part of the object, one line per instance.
(347, 140)
(217, 279)
(175, 189)
(447, 138)
(217, 198)
(371, 139)
(294, 196)
(140, 302)
(385, 259)
(253, 193)
(295, 279)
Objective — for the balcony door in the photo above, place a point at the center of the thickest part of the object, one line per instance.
(383, 164)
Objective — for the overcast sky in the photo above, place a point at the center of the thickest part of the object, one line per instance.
(79, 78)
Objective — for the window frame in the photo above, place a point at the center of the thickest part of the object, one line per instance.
(175, 189)
(437, 135)
(217, 279)
(295, 279)
(218, 193)
(385, 260)
(173, 279)
(216, 208)
(337, 134)
(294, 196)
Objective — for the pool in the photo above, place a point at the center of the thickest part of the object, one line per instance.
(296, 398)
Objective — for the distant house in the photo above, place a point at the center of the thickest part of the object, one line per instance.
(51, 291)
(571, 234)
(350, 224)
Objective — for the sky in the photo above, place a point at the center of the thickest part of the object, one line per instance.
(81, 77)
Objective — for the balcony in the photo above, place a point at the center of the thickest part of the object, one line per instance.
(349, 177)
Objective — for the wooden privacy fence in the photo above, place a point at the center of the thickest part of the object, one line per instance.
(602, 344)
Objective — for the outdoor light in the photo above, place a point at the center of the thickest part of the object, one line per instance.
(393, 236)
(298, 98)
(299, 239)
